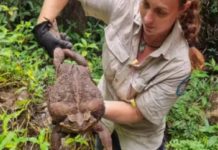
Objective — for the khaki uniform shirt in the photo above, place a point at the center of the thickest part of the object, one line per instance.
(155, 80)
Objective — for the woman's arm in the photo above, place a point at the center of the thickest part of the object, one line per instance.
(51, 9)
(44, 30)
(122, 112)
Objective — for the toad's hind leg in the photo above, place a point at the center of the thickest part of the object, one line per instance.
(56, 136)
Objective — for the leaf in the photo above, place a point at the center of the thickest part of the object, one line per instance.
(30, 74)
(7, 139)
(213, 62)
(3, 80)
(23, 103)
(4, 8)
(77, 45)
(209, 129)
(84, 53)
(16, 114)
(41, 137)
(68, 141)
(44, 146)
(93, 45)
(41, 140)
(204, 101)
(199, 74)
(212, 140)
(6, 53)
(7, 118)
(216, 68)
(84, 42)
(33, 140)
(81, 140)
(87, 35)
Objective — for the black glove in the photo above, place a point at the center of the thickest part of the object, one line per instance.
(48, 40)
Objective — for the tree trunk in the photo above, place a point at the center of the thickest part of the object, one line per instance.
(72, 14)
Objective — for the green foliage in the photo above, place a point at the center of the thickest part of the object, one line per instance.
(80, 142)
(88, 48)
(23, 65)
(94, 35)
(41, 140)
(214, 8)
(209, 30)
(12, 12)
(212, 66)
(78, 139)
(8, 14)
(22, 62)
(13, 136)
(189, 127)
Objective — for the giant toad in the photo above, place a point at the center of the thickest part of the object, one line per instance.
(74, 102)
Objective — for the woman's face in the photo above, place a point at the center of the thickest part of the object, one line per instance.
(158, 16)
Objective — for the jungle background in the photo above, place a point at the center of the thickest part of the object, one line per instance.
(26, 71)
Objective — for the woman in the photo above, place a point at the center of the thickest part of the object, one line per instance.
(145, 60)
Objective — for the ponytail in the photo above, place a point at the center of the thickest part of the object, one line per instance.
(191, 22)
(197, 59)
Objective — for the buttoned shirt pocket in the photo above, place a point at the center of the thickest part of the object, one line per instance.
(115, 54)
(122, 83)
(115, 45)
(115, 62)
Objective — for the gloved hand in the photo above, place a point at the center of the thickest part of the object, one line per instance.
(47, 39)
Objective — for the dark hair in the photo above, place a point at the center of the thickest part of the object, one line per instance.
(191, 22)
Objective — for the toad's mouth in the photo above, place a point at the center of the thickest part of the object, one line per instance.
(77, 123)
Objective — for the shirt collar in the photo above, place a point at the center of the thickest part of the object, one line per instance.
(174, 36)
(165, 50)
(137, 18)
